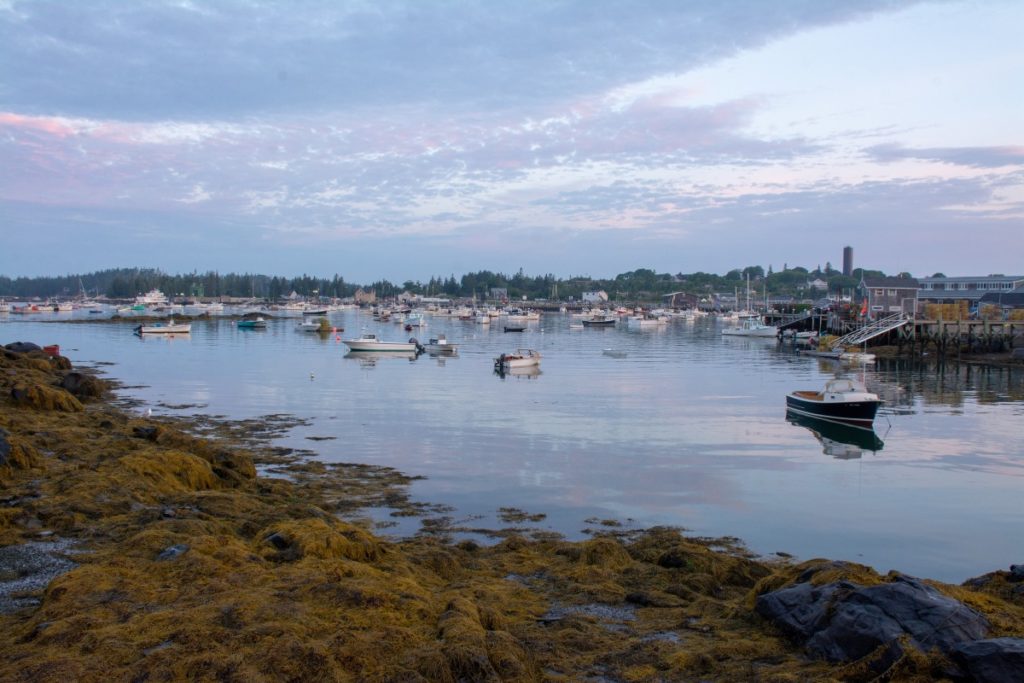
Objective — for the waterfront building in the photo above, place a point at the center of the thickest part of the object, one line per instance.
(883, 296)
(1012, 300)
(598, 297)
(946, 290)
(364, 297)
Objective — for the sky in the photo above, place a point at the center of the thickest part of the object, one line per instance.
(405, 139)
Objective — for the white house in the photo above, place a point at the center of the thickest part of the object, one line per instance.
(598, 297)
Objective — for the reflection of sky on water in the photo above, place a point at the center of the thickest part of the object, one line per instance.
(687, 429)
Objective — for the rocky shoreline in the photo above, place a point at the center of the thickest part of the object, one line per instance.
(135, 548)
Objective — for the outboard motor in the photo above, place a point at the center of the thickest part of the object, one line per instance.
(419, 347)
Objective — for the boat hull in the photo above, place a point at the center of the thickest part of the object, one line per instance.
(163, 329)
(860, 412)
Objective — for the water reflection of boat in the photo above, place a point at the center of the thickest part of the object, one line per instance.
(530, 372)
(838, 440)
(371, 357)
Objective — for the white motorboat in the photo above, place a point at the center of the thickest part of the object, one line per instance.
(313, 325)
(751, 327)
(440, 346)
(522, 358)
(370, 342)
(170, 327)
(649, 320)
(153, 297)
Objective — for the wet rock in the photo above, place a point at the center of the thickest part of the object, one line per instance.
(173, 552)
(149, 433)
(5, 447)
(842, 621)
(1017, 572)
(994, 660)
(278, 541)
(23, 347)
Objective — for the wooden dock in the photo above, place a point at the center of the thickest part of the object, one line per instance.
(956, 336)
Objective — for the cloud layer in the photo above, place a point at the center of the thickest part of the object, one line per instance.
(420, 138)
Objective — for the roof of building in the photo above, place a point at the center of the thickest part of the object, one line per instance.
(1014, 298)
(972, 278)
(891, 282)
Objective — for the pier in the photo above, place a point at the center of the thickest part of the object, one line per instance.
(916, 336)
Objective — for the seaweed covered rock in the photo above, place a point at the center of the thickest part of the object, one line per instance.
(843, 621)
(42, 397)
(15, 455)
(82, 385)
(319, 538)
(231, 467)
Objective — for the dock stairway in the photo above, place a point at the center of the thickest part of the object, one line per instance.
(871, 330)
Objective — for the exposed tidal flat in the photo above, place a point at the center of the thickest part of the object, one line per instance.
(191, 565)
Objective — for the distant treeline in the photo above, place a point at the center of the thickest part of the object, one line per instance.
(640, 284)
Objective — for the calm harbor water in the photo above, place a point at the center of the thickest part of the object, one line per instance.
(685, 427)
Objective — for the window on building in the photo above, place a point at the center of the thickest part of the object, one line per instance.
(878, 292)
(892, 292)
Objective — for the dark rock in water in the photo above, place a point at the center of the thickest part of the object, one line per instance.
(1017, 572)
(995, 660)
(843, 621)
(173, 552)
(81, 384)
(23, 347)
